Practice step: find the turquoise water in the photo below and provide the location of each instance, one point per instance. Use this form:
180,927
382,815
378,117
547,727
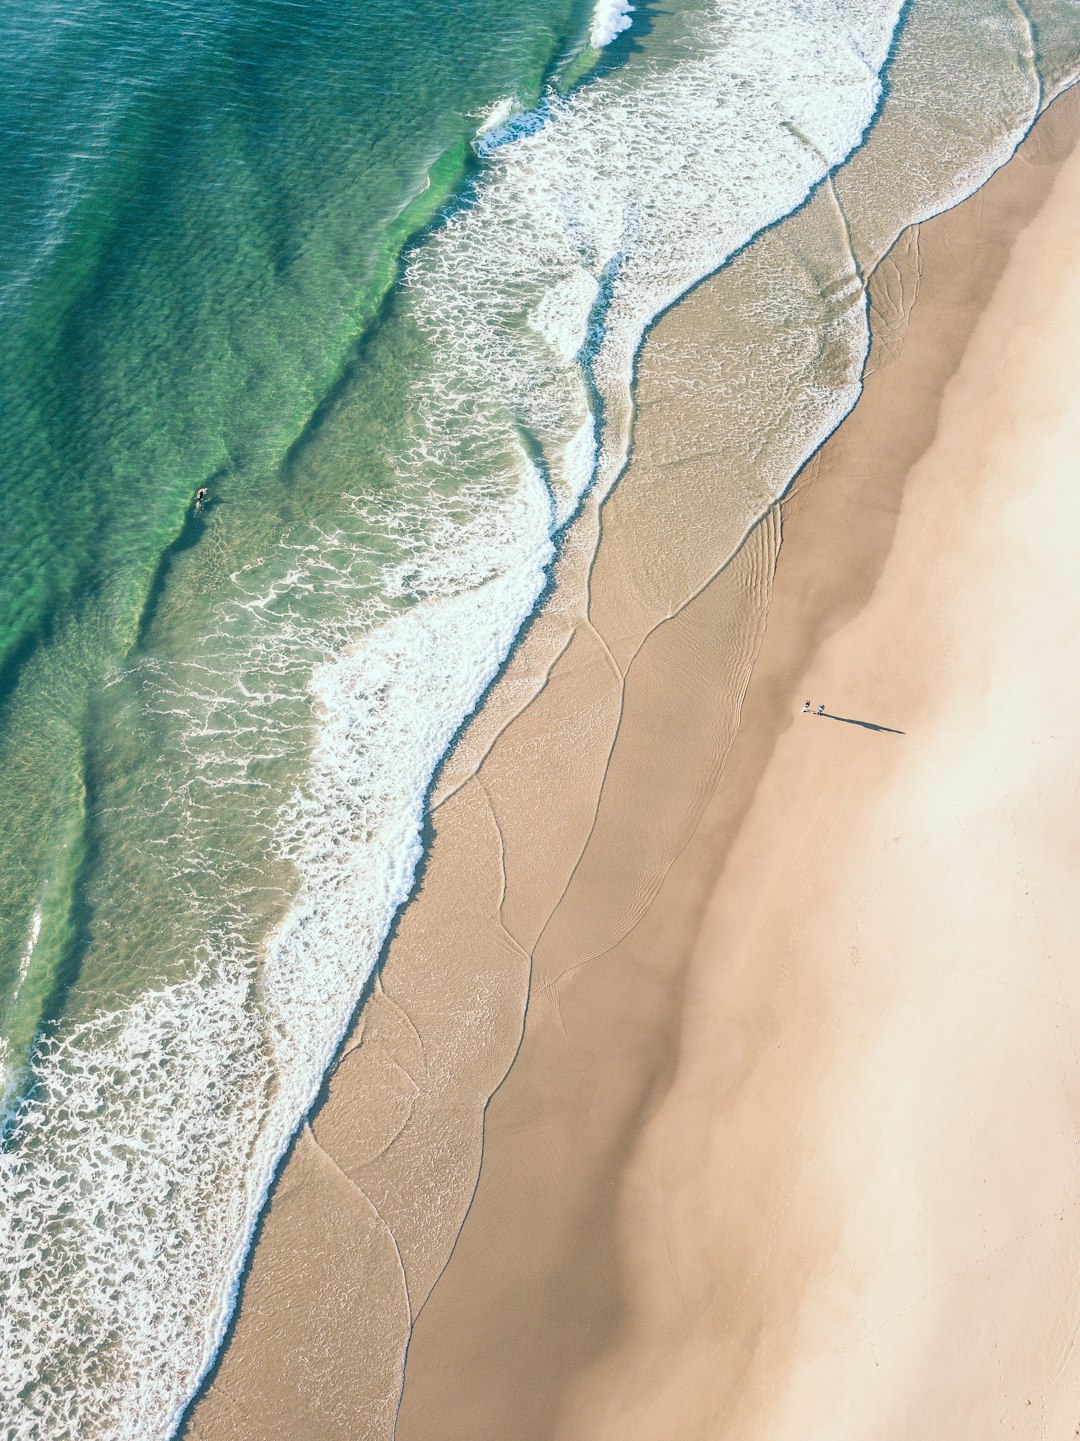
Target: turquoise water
202,209
217,729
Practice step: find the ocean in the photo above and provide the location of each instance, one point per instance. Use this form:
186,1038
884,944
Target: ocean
376,278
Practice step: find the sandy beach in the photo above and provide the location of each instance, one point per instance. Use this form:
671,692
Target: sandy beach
787,1143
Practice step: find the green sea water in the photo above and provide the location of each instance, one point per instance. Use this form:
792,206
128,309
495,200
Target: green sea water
202,207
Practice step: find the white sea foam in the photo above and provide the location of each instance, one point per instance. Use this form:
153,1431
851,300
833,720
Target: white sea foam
503,123
610,18
28,952
402,691
496,115
139,1164
107,1164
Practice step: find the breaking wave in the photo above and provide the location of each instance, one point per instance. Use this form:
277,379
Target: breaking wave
610,18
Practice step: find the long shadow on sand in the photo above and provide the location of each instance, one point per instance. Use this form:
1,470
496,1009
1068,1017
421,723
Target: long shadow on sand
866,725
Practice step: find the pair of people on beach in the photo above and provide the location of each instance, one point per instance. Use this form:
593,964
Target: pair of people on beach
806,708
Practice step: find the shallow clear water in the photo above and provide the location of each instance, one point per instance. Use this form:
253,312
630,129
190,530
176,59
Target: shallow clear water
217,730
202,207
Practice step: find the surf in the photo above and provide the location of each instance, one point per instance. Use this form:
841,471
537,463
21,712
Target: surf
610,18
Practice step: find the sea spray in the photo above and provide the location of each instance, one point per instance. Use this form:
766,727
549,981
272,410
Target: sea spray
610,18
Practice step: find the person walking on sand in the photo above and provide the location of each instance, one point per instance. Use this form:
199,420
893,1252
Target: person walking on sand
806,707
821,709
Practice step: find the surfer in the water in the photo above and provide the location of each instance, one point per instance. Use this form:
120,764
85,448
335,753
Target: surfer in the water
201,496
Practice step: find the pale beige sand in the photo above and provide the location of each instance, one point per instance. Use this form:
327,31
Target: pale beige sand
793,1121
798,1157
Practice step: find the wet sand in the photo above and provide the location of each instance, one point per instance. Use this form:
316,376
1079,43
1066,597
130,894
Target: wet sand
788,1143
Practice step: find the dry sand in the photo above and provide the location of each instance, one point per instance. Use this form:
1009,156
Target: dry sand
798,1155
789,1146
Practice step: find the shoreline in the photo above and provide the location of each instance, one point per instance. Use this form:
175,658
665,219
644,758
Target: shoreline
483,1358
414,1037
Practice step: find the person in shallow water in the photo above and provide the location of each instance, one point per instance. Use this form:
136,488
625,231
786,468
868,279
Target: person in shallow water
201,496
